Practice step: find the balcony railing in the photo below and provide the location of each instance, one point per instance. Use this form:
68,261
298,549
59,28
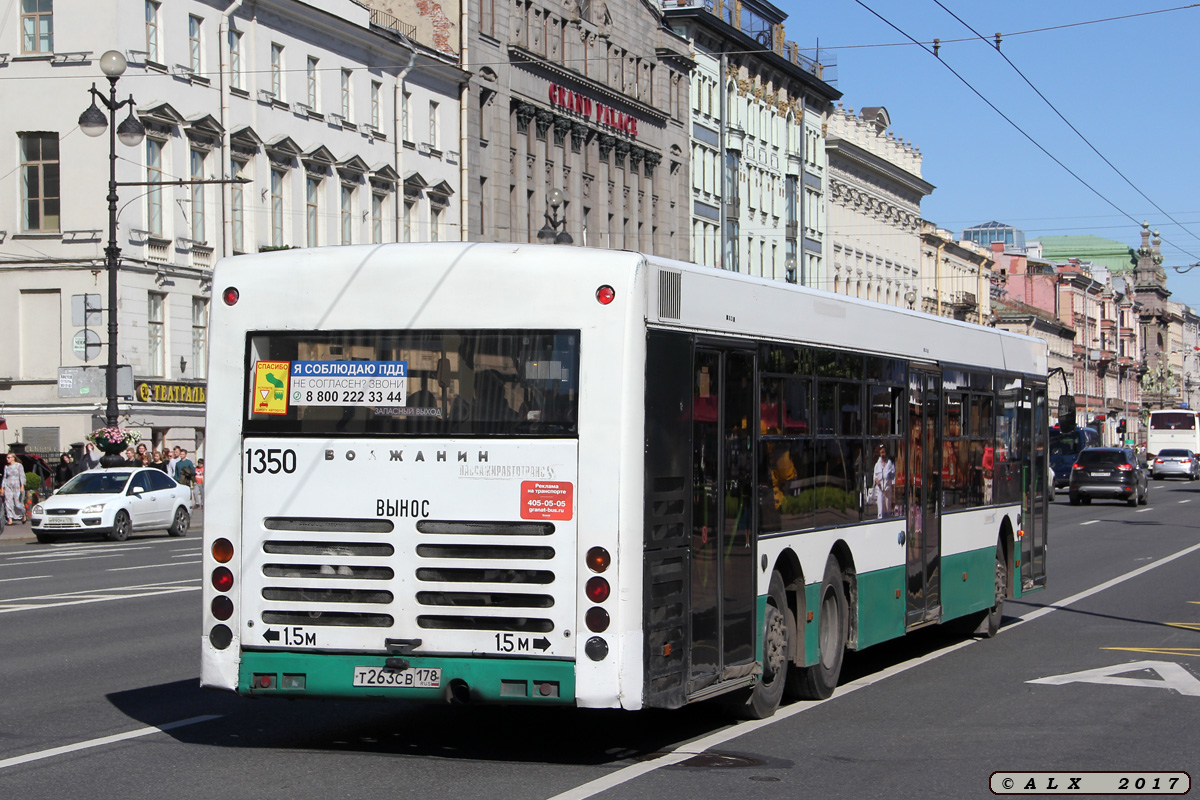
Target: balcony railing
386,20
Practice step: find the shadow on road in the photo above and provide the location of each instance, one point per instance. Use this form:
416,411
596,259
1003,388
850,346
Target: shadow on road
391,728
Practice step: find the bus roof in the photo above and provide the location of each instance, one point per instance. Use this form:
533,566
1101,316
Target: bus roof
416,285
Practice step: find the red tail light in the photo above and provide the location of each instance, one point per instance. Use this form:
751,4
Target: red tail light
1159,461
597,589
1077,465
1125,467
222,579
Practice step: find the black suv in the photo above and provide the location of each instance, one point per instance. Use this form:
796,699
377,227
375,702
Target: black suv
1113,472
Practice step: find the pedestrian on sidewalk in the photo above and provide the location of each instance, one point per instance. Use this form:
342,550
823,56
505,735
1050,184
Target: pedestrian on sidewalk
64,471
14,490
198,488
91,459
185,470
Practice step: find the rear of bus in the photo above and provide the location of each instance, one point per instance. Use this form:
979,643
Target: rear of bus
398,463
1173,428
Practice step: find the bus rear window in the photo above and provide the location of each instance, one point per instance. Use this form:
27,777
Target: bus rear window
1173,421
428,383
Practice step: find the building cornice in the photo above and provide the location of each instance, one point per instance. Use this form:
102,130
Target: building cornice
518,53
748,46
881,166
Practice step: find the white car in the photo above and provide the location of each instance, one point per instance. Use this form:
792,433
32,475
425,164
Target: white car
114,502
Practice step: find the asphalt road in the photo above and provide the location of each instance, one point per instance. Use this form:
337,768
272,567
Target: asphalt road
1101,671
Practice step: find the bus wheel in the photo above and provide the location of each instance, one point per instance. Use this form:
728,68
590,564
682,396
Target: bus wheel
987,624
763,700
818,681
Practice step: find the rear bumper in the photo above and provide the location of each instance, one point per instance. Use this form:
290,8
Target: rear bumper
1165,471
1103,490
483,680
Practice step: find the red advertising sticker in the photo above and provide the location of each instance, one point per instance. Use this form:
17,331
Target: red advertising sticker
547,500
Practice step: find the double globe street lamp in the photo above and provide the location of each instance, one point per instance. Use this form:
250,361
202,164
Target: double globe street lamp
93,122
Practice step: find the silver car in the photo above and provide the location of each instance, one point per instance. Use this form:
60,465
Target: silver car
1174,462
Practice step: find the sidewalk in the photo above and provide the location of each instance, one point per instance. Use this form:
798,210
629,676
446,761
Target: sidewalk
22,534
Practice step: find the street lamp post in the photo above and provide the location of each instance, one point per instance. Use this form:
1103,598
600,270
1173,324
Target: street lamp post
549,234
131,132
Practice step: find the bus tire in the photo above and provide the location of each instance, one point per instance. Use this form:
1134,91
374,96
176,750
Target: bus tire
763,699
833,618
989,624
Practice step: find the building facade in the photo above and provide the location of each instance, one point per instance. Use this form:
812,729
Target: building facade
303,102
875,192
956,276
758,172
1104,365
588,98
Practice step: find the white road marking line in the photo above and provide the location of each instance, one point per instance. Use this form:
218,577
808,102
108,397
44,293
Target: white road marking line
5,609
27,578
97,595
58,560
1075,598
188,555
1090,522
118,737
698,746
149,566
1181,502
76,549
1144,510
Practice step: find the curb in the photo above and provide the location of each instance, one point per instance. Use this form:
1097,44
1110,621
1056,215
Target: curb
16,534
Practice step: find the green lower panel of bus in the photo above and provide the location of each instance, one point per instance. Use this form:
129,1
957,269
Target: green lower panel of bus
880,606
968,582
427,679
967,585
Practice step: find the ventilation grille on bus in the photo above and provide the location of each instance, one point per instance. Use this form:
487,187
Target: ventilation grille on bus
342,568
504,575
470,575
670,294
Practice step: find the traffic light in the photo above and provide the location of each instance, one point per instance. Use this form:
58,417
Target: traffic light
1121,427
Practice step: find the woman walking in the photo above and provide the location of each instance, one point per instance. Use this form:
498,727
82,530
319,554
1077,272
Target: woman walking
14,490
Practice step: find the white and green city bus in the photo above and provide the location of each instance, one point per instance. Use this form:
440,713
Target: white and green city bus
497,473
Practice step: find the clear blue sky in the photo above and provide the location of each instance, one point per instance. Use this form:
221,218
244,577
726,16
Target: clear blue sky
1130,86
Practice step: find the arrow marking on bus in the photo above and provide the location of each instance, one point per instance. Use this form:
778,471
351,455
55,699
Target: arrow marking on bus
271,635
542,644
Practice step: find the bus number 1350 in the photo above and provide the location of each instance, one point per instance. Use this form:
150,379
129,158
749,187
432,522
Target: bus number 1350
271,460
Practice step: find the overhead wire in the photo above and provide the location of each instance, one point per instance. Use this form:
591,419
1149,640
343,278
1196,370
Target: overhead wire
1011,122
1069,124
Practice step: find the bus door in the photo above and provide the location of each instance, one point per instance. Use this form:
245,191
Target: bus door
1033,430
722,543
923,476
